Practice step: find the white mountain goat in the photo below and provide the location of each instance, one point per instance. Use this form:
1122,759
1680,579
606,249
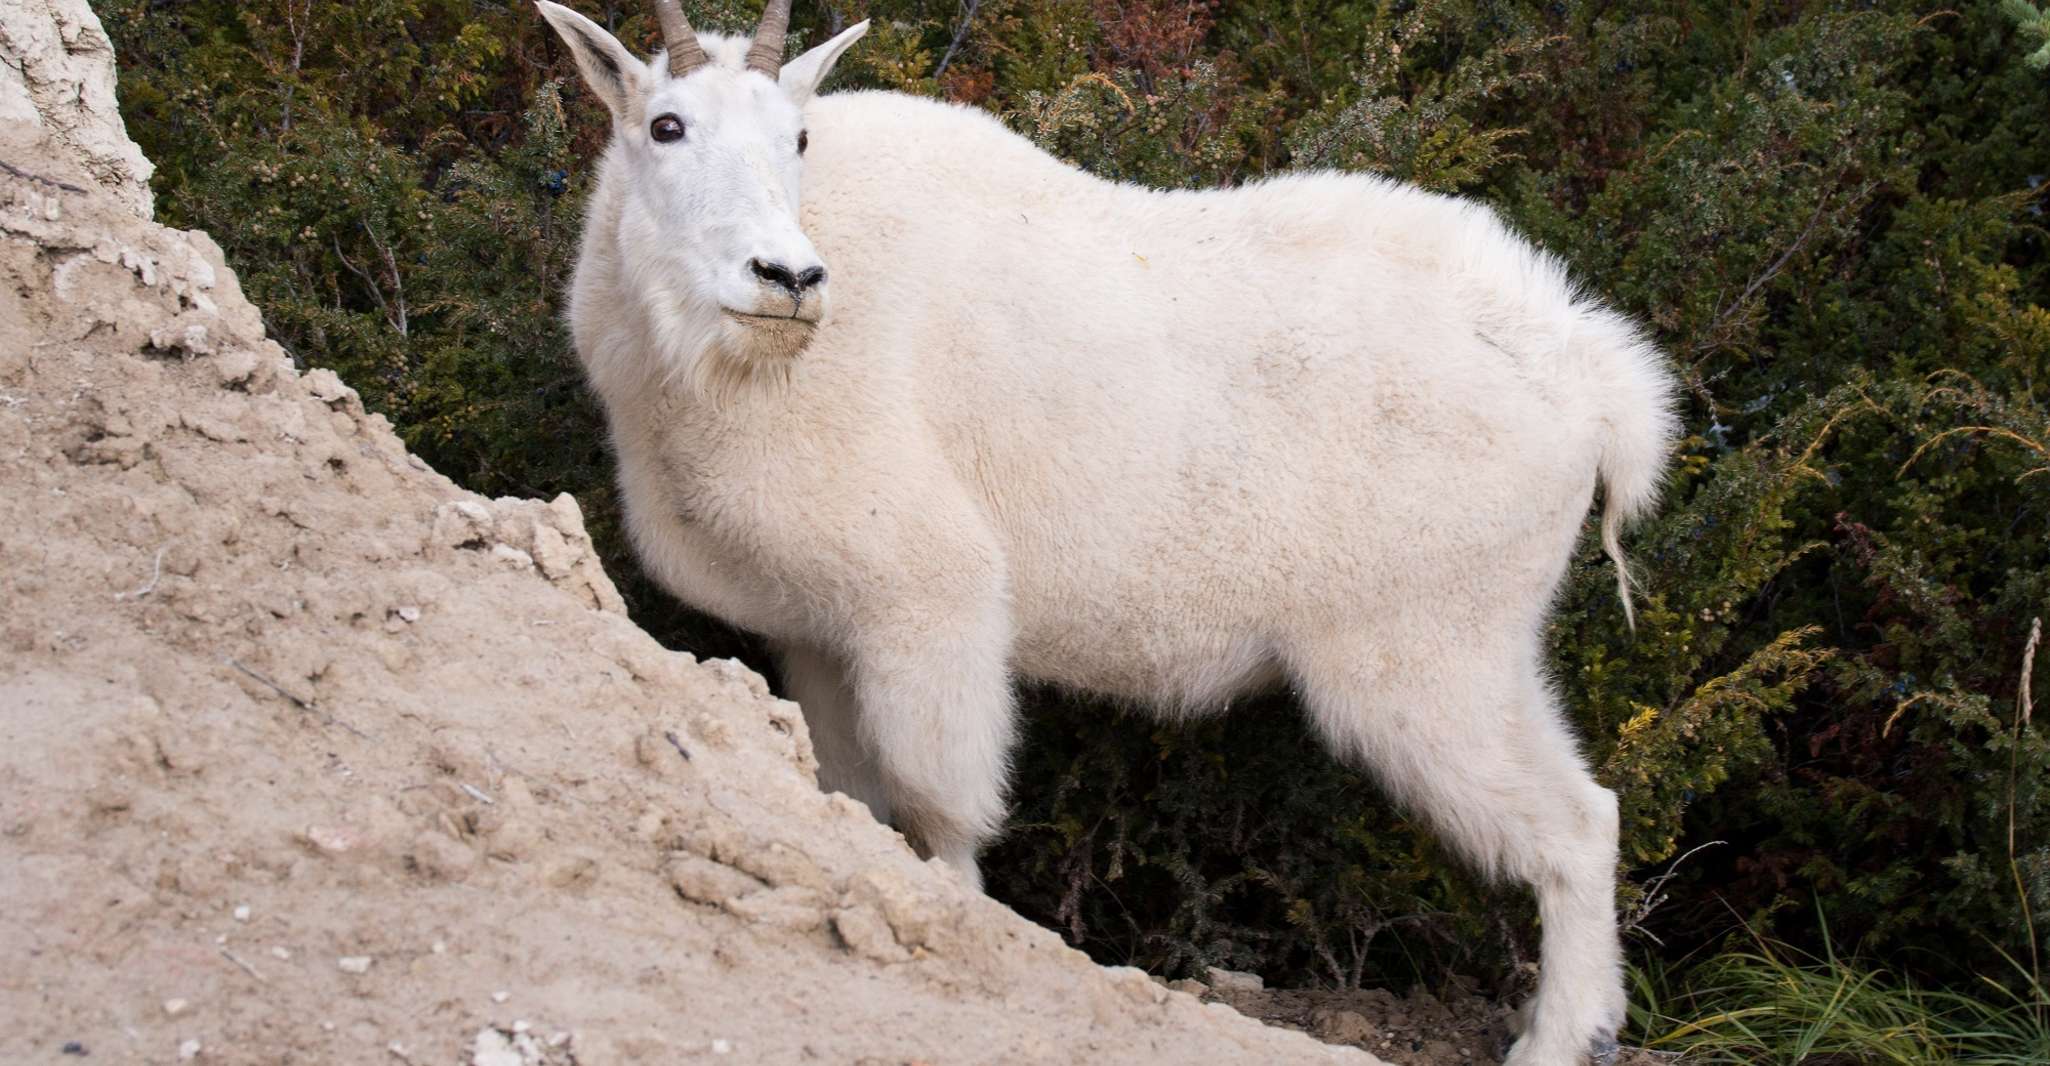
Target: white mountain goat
1326,431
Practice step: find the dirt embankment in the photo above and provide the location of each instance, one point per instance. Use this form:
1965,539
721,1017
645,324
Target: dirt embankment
308,755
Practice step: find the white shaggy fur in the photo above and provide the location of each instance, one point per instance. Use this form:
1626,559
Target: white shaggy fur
1326,430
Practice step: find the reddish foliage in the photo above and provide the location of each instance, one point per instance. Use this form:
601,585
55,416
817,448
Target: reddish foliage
968,85
1157,36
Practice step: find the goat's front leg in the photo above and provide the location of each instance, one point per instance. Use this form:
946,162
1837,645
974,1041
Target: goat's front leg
818,682
935,708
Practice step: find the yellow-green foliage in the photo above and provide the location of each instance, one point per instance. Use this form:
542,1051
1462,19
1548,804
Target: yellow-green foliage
1830,213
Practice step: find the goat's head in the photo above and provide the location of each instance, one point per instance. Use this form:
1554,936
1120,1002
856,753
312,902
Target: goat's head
708,150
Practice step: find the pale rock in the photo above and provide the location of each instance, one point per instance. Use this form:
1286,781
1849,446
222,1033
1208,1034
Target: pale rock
1234,980
462,524
326,386
552,552
511,556
863,930
235,366
702,880
493,1048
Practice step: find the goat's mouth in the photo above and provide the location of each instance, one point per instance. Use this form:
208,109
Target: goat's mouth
773,323
770,338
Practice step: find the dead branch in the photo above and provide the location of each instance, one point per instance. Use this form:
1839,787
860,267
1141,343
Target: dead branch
960,35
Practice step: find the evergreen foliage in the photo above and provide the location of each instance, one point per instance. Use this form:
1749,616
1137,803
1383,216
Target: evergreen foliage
1830,213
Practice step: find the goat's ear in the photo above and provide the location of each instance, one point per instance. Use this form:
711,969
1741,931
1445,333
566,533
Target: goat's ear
801,76
608,68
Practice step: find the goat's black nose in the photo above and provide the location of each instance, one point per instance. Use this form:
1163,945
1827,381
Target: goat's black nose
781,276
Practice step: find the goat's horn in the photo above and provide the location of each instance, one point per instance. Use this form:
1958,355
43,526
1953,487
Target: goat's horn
684,53
766,54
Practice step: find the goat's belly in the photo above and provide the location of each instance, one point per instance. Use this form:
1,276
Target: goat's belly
1188,669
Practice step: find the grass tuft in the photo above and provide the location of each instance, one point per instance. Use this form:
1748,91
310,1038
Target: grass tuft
1775,1006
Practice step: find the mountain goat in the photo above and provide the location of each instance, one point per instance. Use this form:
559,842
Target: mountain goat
1326,431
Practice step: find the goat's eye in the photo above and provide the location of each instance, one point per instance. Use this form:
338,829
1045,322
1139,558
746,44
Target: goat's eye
666,128
803,140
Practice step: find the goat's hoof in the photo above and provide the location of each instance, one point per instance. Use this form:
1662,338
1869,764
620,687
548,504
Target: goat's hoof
1603,1051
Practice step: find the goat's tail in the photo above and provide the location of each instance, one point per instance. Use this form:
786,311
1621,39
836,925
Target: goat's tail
1634,392
1627,384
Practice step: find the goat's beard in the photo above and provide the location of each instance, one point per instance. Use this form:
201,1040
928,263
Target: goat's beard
770,340
750,352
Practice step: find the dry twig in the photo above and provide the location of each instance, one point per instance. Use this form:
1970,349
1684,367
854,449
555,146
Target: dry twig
156,572
1654,895
296,701
2024,706
237,960
15,171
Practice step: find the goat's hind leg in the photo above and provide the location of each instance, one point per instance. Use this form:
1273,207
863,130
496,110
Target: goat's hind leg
1476,747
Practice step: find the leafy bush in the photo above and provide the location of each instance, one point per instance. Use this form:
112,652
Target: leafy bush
1830,213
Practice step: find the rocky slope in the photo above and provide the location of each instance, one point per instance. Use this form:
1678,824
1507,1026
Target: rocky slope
308,755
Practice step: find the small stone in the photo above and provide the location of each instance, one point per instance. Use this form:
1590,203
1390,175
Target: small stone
552,552
520,1025
500,997
175,1007
440,947
189,1049
184,334
354,963
462,524
493,1048
701,880
409,613
235,366
511,556
865,933
1235,980
1342,1026
326,385
334,839
280,953
242,913
722,1047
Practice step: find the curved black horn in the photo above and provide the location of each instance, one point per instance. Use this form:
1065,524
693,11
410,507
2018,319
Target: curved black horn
682,42
766,53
